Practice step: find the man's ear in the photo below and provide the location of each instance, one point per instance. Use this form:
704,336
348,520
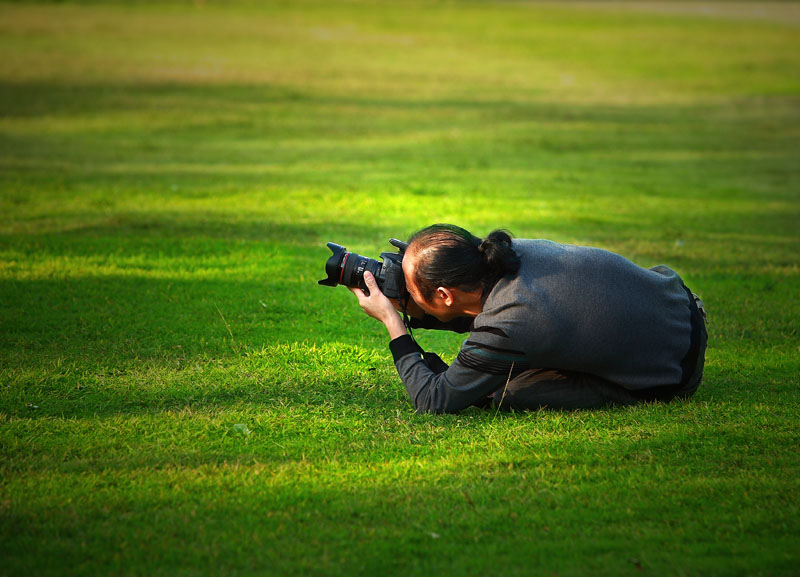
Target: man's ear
445,295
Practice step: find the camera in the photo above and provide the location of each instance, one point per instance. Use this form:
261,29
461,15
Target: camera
347,268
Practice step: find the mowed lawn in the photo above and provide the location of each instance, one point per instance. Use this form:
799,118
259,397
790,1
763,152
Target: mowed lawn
178,396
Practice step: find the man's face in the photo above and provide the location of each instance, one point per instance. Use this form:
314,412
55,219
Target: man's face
436,306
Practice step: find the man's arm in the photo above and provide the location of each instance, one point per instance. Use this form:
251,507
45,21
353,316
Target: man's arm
479,370
485,363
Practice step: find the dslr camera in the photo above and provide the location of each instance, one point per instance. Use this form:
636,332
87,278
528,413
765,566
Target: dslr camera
347,268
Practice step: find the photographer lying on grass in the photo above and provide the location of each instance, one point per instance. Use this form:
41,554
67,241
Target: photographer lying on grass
551,325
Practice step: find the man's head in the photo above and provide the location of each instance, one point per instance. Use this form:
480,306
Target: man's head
444,262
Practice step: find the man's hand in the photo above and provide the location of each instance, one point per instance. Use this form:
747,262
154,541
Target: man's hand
375,304
379,307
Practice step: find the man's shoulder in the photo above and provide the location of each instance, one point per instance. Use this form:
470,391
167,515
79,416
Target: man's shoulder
500,319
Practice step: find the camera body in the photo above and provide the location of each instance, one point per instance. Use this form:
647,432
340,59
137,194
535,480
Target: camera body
348,268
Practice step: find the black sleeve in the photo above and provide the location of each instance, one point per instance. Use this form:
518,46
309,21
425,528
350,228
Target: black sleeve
485,363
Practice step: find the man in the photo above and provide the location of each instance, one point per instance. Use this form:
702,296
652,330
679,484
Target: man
550,325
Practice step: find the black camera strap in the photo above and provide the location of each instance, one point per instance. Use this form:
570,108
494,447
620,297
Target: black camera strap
403,298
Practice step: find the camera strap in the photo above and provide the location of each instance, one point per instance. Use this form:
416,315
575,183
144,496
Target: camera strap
406,319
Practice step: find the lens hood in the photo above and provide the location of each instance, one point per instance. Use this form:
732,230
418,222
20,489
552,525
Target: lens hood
333,266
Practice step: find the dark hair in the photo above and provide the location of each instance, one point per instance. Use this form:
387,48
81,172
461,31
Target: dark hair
449,256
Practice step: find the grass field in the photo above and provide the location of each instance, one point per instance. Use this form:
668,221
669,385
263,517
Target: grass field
179,397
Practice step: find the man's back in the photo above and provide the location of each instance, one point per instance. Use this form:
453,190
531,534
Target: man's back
590,310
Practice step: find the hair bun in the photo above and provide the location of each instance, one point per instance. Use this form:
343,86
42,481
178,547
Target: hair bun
497,254
498,240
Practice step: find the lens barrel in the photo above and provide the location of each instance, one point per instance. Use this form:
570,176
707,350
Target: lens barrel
347,268
354,267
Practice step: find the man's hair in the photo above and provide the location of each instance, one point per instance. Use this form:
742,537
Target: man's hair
450,256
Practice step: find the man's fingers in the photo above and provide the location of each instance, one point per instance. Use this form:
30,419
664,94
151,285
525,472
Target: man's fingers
372,286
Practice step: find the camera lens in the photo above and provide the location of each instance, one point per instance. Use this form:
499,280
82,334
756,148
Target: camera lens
354,267
348,268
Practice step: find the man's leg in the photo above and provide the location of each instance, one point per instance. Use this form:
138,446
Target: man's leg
552,389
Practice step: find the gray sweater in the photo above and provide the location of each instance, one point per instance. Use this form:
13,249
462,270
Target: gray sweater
568,307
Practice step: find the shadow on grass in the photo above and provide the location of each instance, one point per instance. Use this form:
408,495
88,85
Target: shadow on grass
94,125
32,99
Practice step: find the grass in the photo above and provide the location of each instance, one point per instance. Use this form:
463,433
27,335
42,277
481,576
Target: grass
178,396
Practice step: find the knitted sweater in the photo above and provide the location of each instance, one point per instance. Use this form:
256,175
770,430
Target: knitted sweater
568,307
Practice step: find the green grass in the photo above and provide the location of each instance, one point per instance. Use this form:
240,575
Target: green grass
179,397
